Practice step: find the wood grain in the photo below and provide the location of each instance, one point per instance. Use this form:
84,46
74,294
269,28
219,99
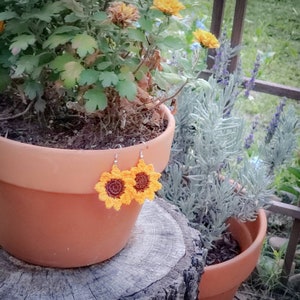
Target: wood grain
162,260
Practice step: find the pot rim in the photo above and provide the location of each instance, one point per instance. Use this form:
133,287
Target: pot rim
163,107
261,218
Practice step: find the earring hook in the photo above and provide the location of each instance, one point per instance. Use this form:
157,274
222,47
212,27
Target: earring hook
141,154
116,159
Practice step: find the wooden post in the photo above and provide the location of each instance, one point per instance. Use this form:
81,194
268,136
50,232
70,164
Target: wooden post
238,27
290,251
215,27
294,212
162,260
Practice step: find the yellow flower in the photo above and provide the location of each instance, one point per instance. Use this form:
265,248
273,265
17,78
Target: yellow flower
146,181
169,7
115,188
122,15
206,39
2,26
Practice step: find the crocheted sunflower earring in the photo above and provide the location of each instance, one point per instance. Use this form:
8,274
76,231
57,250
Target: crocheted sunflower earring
146,181
118,187
115,187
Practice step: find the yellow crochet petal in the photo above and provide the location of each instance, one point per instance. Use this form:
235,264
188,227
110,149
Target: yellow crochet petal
146,183
115,188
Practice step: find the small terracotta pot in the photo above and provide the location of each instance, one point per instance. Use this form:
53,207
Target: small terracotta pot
50,214
221,281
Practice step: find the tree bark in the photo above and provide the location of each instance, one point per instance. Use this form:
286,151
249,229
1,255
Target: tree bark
162,260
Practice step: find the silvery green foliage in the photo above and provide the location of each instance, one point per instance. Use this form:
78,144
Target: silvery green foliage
223,57
283,142
209,178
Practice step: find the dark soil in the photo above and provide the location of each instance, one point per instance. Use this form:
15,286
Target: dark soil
59,127
223,250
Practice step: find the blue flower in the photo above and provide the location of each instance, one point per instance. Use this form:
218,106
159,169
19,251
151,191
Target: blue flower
195,46
200,24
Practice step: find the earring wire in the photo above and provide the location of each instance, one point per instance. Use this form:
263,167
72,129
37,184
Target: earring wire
116,159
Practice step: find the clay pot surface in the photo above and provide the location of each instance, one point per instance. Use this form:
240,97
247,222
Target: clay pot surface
221,281
50,214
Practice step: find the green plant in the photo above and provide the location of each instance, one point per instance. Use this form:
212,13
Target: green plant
291,183
210,176
283,183
204,177
100,59
269,267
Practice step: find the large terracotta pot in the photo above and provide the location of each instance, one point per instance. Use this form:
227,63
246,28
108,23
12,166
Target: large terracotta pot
50,214
221,281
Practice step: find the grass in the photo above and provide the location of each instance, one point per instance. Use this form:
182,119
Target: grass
271,29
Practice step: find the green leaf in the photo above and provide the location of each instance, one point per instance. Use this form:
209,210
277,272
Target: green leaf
88,77
59,62
146,24
289,189
47,12
26,63
53,8
173,78
96,99
104,65
40,105
5,58
45,58
75,6
22,41
84,43
99,16
4,79
71,73
66,28
161,82
172,42
136,35
33,89
55,40
127,89
139,75
36,73
71,18
295,172
15,27
7,15
108,78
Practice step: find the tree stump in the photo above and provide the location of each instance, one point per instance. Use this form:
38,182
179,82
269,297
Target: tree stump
162,260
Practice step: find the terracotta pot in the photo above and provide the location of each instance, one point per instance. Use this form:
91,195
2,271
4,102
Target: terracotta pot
50,214
221,281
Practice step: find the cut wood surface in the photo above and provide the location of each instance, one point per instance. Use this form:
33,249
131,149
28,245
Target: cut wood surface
162,260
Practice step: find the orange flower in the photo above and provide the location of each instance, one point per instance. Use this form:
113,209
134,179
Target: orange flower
122,15
2,26
206,39
146,181
169,7
115,188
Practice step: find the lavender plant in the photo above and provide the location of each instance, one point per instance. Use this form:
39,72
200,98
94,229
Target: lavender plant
249,140
281,139
210,176
250,84
203,177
